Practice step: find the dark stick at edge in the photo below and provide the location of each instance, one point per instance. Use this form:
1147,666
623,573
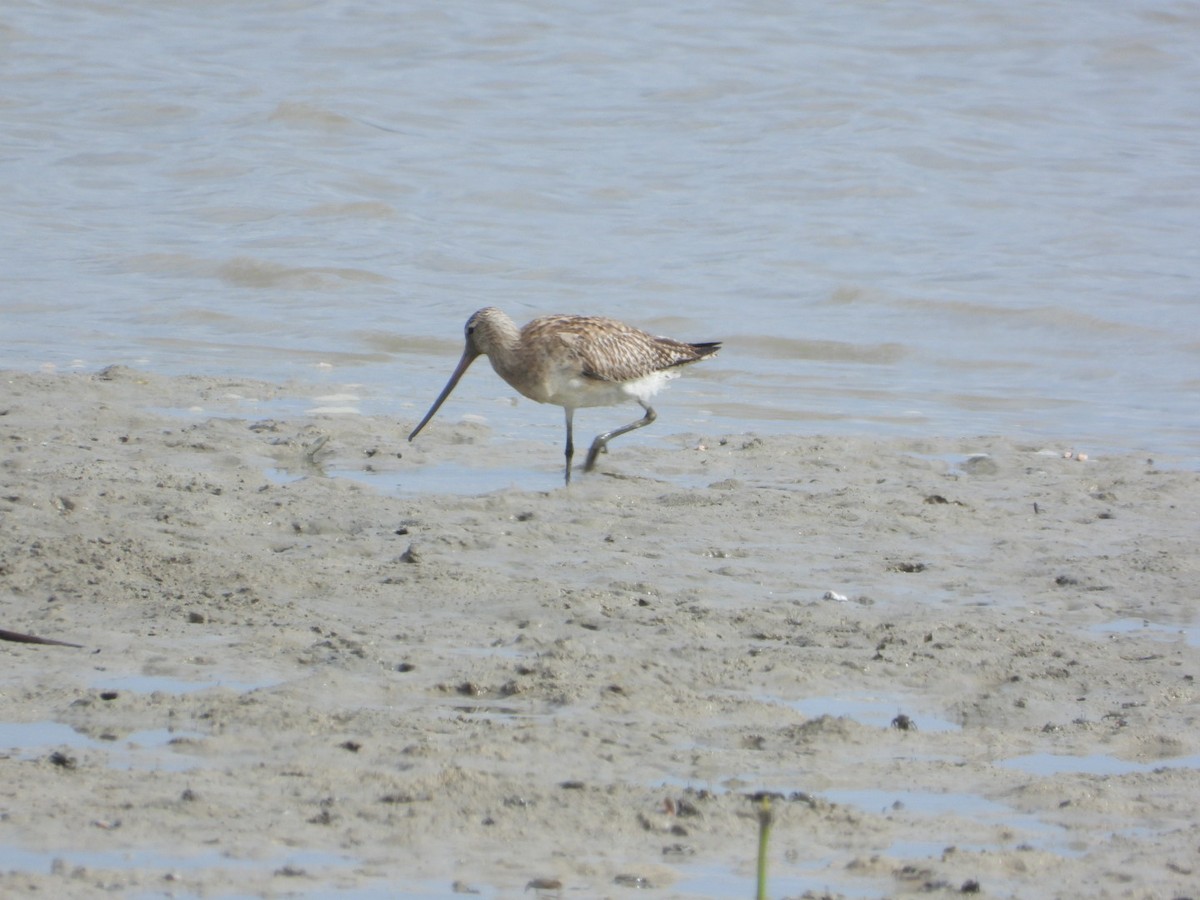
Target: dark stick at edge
19,638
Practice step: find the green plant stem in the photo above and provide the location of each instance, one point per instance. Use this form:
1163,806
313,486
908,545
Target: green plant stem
764,836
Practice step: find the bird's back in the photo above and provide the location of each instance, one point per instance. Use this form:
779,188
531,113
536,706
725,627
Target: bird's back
607,349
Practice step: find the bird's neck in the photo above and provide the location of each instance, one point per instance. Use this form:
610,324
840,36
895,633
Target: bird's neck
502,344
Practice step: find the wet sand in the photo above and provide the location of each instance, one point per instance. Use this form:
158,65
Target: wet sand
962,664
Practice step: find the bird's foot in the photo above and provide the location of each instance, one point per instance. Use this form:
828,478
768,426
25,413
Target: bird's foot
596,450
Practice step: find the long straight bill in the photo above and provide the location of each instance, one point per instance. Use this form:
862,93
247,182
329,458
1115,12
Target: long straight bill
468,357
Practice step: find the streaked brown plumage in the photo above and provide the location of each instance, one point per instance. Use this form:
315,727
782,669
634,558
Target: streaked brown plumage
574,362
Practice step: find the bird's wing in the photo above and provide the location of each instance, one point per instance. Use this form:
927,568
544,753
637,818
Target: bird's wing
607,350
627,354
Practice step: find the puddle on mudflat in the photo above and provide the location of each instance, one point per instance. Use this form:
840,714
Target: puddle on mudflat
18,737
44,861
394,479
879,801
1047,764
1190,633
153,749
483,475
443,478
506,709
817,878
878,712
150,684
426,889
500,649
1026,828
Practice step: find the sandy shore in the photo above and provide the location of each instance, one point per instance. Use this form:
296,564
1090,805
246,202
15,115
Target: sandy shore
293,683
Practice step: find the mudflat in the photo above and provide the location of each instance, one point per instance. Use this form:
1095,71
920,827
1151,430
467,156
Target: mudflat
957,665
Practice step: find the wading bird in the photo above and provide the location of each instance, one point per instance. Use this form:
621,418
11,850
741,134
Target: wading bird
574,362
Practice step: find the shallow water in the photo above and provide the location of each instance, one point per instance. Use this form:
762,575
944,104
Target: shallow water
978,810
45,861
147,684
1144,627
878,712
1048,764
140,750
907,218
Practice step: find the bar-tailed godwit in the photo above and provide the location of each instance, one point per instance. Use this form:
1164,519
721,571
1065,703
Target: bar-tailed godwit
573,362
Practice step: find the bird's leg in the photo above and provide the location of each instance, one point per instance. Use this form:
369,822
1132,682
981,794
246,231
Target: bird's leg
570,443
601,441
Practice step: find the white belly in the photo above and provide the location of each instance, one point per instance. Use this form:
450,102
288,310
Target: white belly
579,392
